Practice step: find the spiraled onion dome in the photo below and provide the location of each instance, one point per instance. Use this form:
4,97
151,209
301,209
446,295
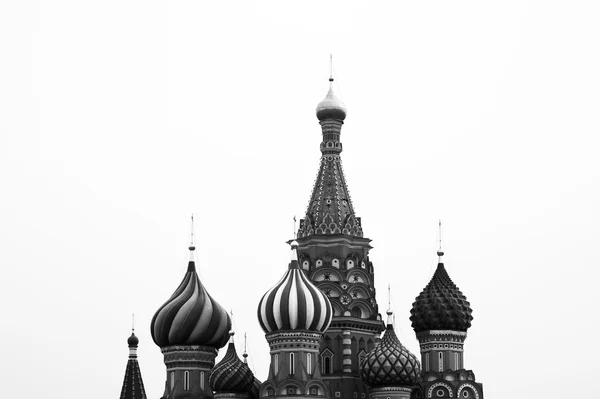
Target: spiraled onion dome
231,374
331,107
294,303
191,316
390,363
133,341
441,305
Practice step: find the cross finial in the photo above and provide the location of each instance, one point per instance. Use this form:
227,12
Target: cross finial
440,253
330,67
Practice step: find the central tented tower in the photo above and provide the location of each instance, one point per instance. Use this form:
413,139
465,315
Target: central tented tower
335,255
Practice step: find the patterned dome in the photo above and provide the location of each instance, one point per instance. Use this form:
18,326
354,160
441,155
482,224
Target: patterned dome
295,303
231,374
390,363
191,316
331,107
441,305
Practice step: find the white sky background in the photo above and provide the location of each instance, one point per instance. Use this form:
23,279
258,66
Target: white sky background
118,119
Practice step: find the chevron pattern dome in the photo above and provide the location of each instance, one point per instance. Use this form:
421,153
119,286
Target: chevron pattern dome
294,303
191,316
390,363
441,305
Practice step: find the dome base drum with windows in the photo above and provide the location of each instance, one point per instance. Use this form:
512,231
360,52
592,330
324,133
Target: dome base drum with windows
321,320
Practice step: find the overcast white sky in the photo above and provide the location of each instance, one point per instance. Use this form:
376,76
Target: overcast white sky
118,119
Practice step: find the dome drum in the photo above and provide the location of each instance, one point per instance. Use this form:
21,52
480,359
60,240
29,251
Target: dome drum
390,393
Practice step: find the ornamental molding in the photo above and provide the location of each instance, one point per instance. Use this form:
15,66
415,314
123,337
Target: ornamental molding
390,389
439,384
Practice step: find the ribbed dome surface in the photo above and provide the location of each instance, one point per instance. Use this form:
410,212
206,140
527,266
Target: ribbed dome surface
390,363
295,303
441,305
331,107
231,374
191,316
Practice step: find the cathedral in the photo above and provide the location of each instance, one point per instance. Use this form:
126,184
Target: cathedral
326,336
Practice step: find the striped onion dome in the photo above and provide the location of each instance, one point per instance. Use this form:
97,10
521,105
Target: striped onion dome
390,363
231,374
191,316
294,303
441,305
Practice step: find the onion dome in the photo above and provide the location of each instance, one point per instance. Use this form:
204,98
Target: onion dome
295,303
231,374
331,107
441,305
390,363
133,341
191,316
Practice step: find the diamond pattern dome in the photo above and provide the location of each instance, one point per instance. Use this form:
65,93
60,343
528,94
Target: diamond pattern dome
390,363
441,305
231,374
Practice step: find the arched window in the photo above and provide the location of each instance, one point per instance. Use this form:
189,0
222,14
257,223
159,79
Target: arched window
276,363
456,360
427,362
309,363
319,263
202,380
441,362
305,265
292,363
327,365
349,264
335,263
186,380
172,380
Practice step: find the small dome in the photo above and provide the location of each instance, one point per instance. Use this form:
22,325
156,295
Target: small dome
191,316
133,341
295,303
331,107
441,305
231,374
390,363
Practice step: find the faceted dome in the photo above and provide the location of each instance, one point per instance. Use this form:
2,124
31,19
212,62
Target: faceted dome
133,341
191,316
390,363
441,305
231,374
295,303
331,107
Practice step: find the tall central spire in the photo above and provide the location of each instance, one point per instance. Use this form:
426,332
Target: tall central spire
330,209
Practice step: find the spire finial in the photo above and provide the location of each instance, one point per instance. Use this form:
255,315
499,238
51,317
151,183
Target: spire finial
192,245
390,319
245,354
294,227
440,253
132,323
330,67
